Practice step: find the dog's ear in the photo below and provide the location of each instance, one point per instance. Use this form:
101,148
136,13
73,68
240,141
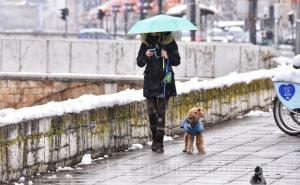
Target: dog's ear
189,115
200,111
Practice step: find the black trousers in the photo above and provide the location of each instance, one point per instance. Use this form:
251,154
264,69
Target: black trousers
156,113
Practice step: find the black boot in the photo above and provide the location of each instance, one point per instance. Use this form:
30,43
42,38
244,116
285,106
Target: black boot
154,142
154,146
160,140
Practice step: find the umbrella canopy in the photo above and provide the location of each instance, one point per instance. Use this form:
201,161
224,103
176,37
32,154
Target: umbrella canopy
161,23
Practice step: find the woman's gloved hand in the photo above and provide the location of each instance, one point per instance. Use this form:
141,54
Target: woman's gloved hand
149,53
164,54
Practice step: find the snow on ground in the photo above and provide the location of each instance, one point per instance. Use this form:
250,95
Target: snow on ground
99,158
68,176
168,138
52,177
18,183
22,179
257,113
136,147
87,102
86,159
149,143
64,168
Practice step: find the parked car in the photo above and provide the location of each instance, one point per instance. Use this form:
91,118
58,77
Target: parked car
185,36
93,33
237,34
218,35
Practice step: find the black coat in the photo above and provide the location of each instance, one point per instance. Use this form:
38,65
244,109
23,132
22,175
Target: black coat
154,72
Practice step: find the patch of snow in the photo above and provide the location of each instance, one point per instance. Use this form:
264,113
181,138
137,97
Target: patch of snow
52,177
149,143
68,176
86,159
282,60
18,183
287,73
84,102
240,117
64,169
22,179
168,138
99,158
257,113
4,112
136,147
106,156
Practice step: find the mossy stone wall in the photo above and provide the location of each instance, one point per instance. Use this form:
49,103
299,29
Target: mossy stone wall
44,144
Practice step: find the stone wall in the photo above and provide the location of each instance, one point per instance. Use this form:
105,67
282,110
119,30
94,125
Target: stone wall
44,144
205,60
21,90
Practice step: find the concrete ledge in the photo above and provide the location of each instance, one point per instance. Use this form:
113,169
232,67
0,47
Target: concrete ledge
76,77
47,143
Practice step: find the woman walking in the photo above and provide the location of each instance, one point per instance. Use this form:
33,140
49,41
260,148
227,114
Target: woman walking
158,52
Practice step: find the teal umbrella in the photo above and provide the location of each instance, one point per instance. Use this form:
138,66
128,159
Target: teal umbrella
161,23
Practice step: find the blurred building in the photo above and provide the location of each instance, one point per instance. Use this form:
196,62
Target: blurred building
90,4
227,9
40,15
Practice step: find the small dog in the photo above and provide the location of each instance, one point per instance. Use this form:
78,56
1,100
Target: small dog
194,127
258,178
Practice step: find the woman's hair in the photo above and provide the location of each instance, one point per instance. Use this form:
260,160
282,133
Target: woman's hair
164,39
166,33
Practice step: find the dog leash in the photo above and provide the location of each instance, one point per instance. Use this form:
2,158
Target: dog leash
167,78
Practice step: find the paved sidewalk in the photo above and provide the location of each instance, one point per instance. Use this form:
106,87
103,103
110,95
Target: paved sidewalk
233,151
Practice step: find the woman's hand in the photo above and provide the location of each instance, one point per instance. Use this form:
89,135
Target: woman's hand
164,54
149,53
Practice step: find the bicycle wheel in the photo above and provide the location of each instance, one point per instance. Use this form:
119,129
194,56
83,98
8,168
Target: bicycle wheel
296,116
286,120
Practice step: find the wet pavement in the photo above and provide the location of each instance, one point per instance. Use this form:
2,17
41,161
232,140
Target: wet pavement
233,149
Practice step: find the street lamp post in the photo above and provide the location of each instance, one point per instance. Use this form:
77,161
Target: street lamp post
142,9
115,10
160,7
108,14
145,7
276,25
252,20
128,8
192,16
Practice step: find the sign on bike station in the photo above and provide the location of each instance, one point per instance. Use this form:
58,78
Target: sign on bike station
286,109
288,93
